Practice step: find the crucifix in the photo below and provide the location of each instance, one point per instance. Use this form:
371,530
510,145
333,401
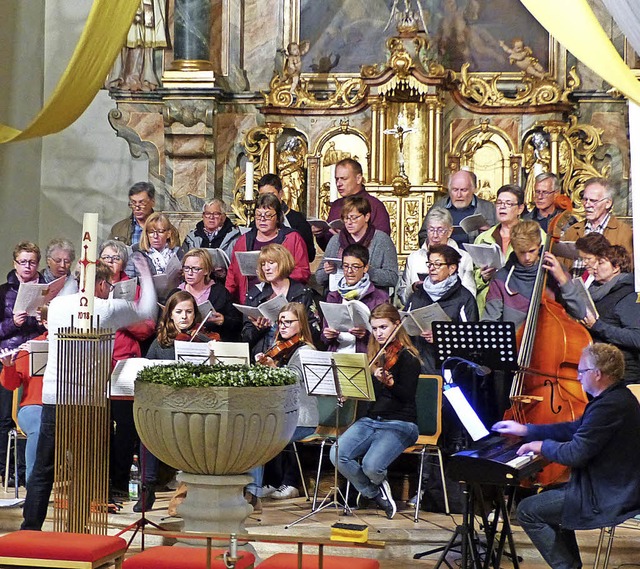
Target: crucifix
400,182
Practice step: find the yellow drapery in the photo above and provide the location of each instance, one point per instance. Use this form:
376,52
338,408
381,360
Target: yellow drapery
574,25
103,35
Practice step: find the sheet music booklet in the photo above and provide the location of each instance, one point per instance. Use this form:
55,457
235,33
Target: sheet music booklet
212,352
337,374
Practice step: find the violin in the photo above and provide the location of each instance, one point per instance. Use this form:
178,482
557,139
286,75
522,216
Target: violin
197,336
282,349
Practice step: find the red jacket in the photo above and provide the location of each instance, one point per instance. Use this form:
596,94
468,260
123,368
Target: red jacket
14,376
236,284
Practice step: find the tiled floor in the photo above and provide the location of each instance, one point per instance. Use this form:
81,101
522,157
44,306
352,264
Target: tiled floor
402,536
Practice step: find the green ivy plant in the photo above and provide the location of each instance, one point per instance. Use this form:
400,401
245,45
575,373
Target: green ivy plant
187,374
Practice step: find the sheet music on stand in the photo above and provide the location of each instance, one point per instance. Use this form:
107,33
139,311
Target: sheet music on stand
336,374
228,353
492,344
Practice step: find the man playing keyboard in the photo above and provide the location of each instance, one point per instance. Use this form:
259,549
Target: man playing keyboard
603,450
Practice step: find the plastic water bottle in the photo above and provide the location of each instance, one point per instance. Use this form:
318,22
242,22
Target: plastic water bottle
134,479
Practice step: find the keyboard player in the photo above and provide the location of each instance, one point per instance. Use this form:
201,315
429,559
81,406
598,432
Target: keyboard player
603,450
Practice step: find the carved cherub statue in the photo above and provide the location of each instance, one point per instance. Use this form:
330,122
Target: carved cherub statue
293,62
521,56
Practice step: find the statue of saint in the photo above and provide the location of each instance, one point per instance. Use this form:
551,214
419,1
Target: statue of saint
291,172
134,69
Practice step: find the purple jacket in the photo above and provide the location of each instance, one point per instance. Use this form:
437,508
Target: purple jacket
372,298
10,335
379,216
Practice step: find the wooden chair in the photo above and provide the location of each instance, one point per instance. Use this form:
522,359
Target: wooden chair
326,432
429,406
27,548
15,434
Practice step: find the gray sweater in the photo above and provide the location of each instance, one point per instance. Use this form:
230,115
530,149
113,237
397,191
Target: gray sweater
383,260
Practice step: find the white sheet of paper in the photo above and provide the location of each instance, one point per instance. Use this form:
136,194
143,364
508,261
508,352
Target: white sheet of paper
485,255
473,223
126,290
32,296
317,372
420,319
205,307
38,356
227,353
248,262
269,309
166,282
194,352
468,417
124,374
218,257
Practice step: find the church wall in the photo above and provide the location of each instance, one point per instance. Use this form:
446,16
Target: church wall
21,73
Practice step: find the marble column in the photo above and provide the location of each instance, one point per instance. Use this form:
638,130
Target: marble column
192,27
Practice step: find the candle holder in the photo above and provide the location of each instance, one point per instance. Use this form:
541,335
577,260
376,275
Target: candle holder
248,210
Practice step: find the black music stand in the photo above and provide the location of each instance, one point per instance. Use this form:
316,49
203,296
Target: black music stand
489,344
343,376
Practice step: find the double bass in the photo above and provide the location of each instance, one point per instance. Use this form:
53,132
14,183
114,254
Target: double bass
546,388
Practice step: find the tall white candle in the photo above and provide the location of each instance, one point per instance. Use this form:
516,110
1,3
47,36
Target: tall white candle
248,188
333,188
88,250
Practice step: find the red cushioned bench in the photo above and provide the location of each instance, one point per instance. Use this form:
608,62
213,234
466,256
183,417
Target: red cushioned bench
26,548
176,557
290,561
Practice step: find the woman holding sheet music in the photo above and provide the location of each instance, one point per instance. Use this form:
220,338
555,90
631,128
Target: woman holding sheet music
179,317
281,477
15,329
617,317
197,270
443,285
275,266
374,441
160,243
269,229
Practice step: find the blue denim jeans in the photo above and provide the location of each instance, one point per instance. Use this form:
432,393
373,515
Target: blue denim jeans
29,418
41,479
378,444
540,518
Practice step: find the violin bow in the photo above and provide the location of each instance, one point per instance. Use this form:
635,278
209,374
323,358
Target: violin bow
204,320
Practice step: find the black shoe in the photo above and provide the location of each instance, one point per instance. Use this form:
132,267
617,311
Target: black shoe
362,502
384,499
148,497
11,483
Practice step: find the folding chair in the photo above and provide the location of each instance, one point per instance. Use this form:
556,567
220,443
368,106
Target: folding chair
429,406
326,432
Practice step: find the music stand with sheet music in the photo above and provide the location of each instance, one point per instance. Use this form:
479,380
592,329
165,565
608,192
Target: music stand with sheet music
343,376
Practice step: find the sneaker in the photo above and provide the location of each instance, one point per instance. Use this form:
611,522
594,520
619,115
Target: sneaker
285,492
267,490
385,500
416,499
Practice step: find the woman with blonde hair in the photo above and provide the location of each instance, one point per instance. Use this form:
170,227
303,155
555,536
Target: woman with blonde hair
275,265
374,441
160,242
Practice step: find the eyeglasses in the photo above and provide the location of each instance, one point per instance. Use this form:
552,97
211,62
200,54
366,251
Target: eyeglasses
139,205
111,285
585,370
157,232
542,193
214,215
592,201
286,323
437,265
352,218
437,230
265,216
351,268
60,261
500,203
111,258
27,263
195,270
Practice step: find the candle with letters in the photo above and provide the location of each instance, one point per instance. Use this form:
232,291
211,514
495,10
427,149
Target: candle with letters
87,263
333,188
248,189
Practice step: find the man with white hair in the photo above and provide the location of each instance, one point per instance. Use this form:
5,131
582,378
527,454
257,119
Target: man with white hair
462,202
214,231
